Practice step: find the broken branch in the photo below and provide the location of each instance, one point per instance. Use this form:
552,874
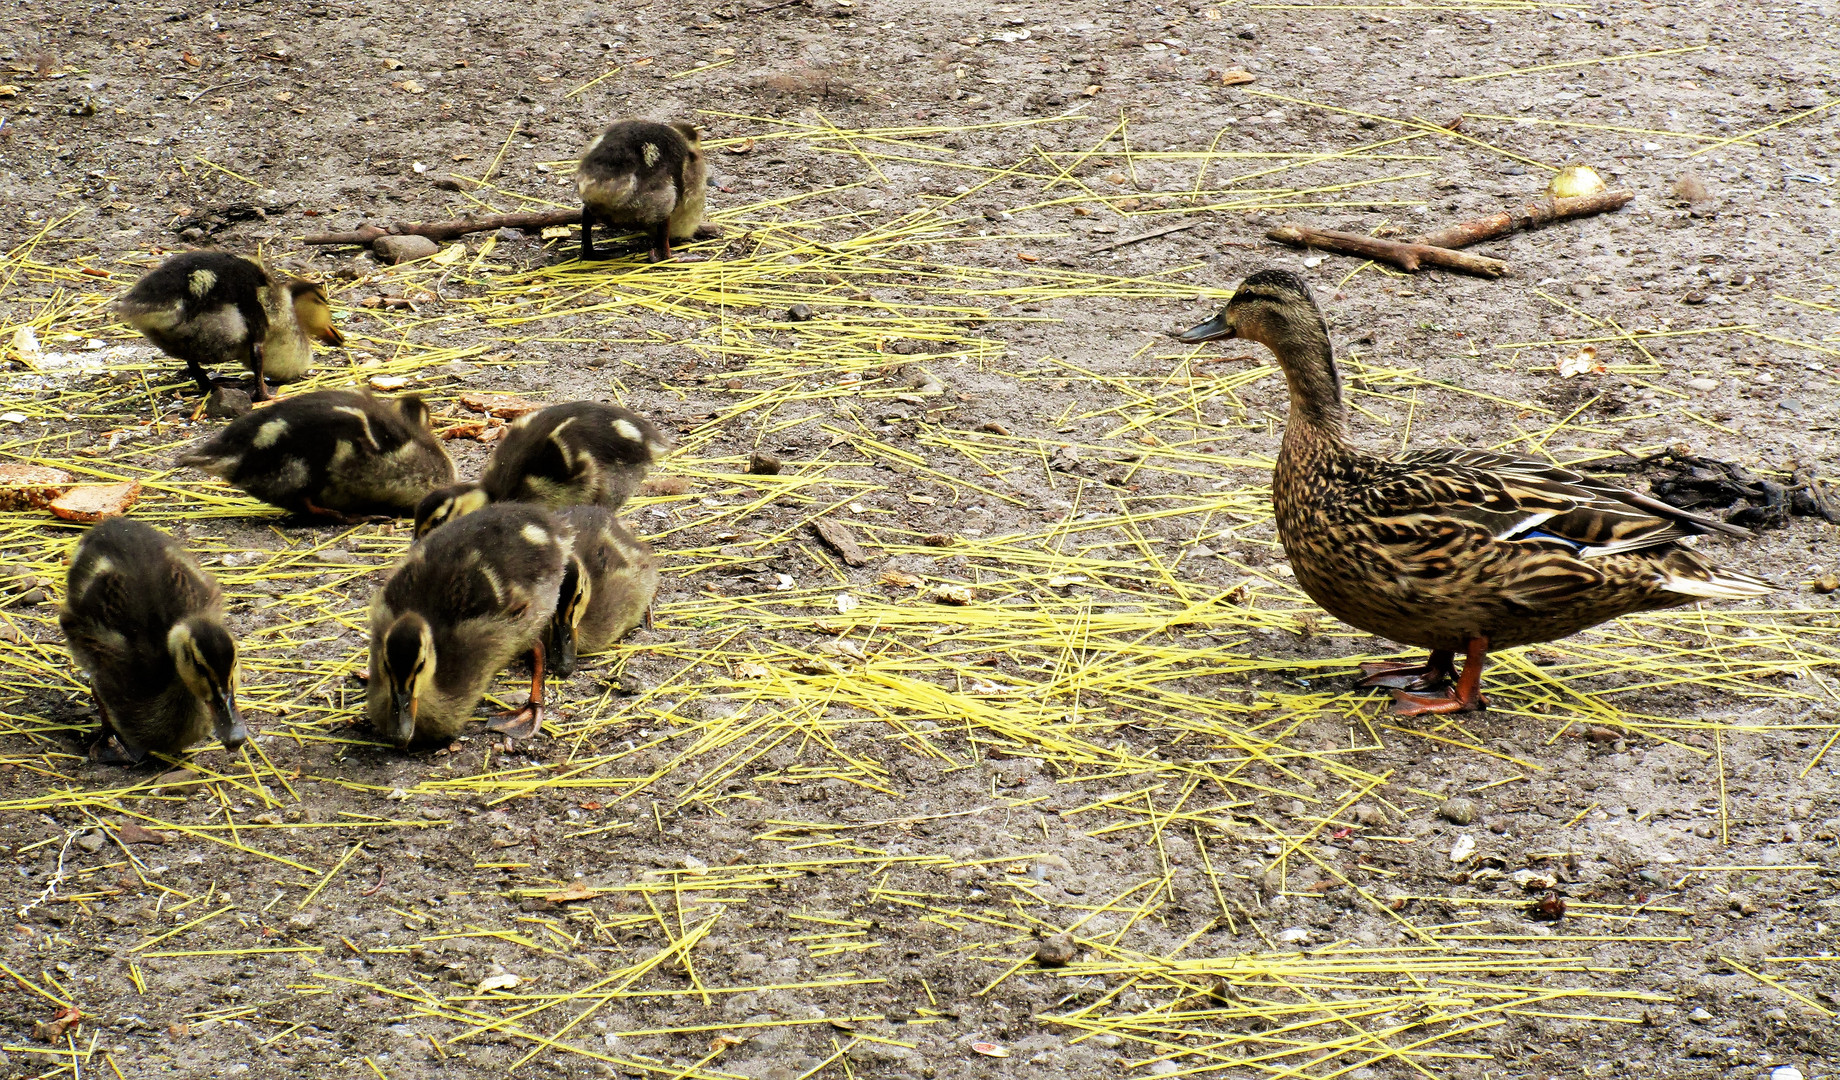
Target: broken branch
1408,257
1526,216
450,230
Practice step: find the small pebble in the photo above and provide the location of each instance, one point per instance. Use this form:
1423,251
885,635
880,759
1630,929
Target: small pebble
91,841
1785,1072
1699,1015
227,403
1369,815
798,313
1458,811
762,463
301,920
1056,951
401,249
1702,384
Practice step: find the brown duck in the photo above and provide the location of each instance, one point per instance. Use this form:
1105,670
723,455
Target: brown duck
1455,551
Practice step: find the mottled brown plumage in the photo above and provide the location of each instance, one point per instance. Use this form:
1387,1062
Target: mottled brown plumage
147,624
1452,550
342,454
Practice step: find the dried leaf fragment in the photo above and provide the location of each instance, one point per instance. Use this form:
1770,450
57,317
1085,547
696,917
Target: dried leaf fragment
1584,362
577,890
503,406
903,579
960,595
133,833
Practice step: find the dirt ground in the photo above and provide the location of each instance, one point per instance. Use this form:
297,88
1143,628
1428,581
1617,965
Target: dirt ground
819,821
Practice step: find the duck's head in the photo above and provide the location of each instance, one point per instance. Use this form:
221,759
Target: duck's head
407,667
443,505
313,311
1274,308
205,656
572,604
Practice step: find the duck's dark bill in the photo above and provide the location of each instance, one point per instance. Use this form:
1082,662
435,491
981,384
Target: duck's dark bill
1214,328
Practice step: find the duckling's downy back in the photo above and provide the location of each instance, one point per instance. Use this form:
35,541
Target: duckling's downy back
576,453
129,587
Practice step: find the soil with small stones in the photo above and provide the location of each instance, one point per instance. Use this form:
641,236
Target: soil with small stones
245,124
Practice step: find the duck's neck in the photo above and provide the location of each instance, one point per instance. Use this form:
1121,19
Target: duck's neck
1308,360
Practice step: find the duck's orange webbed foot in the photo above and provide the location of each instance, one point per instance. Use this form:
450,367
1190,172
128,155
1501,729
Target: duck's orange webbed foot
1466,696
1407,703
1434,674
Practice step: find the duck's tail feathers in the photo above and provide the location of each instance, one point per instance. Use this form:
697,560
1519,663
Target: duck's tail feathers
1706,583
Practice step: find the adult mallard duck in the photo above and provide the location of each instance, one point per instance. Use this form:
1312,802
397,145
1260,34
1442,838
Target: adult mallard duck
606,591
343,454
466,601
211,307
575,454
147,624
1455,551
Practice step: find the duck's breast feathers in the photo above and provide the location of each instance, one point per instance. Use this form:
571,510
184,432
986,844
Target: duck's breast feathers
1516,499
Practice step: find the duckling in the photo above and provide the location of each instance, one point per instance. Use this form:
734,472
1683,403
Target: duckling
1454,551
566,455
147,624
607,589
465,602
342,454
639,176
211,307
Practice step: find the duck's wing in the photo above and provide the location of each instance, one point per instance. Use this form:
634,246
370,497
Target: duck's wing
1521,499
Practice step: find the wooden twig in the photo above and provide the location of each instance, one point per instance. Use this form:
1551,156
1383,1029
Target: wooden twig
450,230
1408,257
1526,216
1127,241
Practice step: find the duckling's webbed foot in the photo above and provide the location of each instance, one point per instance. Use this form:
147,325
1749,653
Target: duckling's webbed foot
258,392
661,243
588,254
523,724
1435,673
109,747
310,507
526,722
